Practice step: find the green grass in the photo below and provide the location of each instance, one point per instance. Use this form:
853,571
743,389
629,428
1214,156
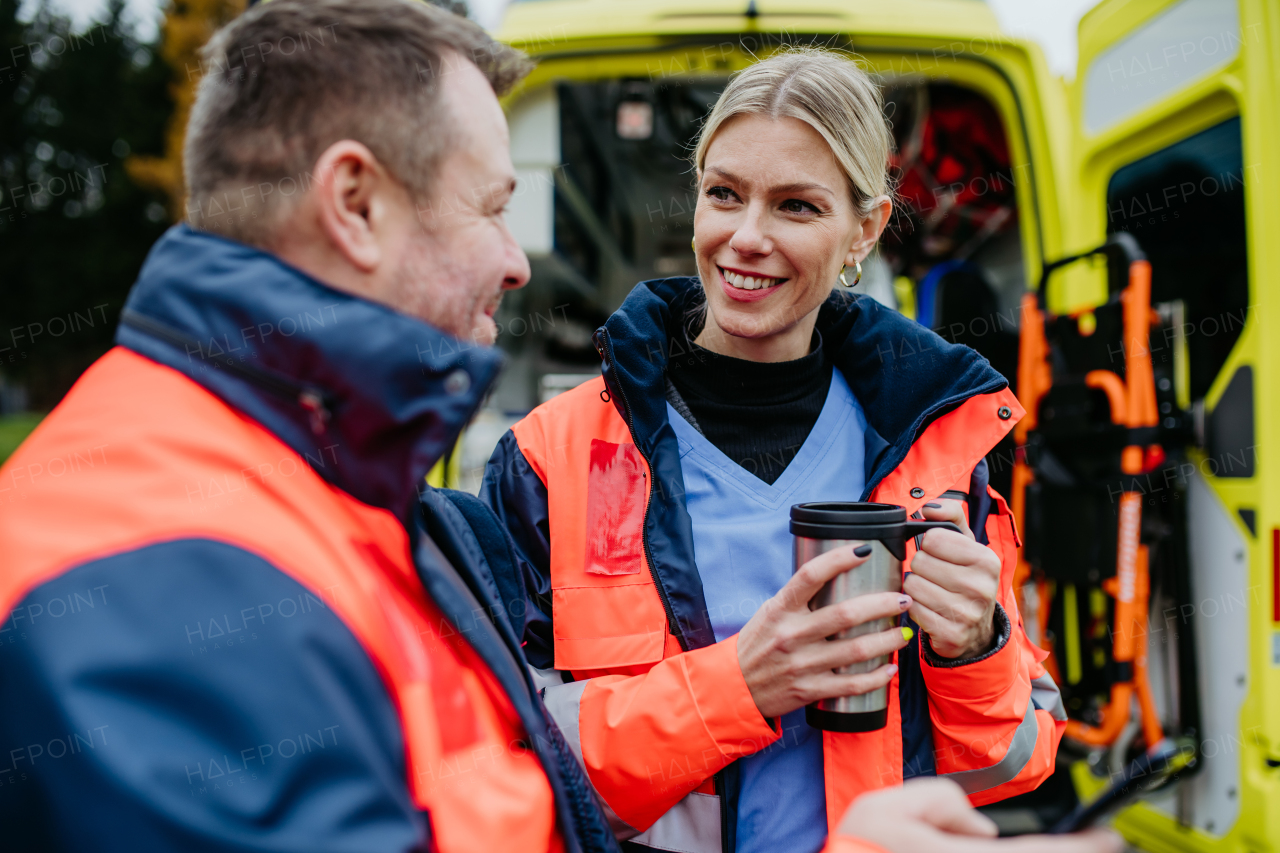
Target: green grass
15,428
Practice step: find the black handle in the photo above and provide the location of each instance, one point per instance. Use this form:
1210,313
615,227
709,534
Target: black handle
911,529
915,528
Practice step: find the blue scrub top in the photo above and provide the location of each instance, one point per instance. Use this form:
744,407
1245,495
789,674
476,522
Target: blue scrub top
743,548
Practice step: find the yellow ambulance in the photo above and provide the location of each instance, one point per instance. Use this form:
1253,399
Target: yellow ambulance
1168,134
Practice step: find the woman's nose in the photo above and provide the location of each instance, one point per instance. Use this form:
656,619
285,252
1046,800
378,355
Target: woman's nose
750,237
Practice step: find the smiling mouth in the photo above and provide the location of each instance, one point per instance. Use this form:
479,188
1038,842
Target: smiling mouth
747,282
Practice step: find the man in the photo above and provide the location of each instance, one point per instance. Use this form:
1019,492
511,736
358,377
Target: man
227,629
233,621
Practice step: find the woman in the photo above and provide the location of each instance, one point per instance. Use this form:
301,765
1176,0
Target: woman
649,508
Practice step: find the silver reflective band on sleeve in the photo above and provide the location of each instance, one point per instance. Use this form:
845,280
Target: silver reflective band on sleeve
1047,697
1020,750
564,703
544,678
690,826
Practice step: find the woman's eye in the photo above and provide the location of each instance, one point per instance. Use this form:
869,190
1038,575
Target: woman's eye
795,205
720,193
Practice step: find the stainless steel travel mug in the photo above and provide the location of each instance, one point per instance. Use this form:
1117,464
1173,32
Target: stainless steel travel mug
822,527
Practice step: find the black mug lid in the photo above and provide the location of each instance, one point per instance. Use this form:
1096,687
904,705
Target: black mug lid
842,513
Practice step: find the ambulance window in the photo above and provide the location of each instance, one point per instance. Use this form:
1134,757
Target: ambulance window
1185,206
1181,44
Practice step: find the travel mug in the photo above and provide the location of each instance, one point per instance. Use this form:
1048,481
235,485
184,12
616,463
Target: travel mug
825,526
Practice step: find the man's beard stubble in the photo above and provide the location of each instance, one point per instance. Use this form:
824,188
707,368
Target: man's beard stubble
440,295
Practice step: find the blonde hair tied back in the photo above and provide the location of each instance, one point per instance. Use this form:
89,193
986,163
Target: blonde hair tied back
827,91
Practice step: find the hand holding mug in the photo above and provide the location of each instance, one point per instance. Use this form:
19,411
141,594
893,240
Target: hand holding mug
953,583
783,650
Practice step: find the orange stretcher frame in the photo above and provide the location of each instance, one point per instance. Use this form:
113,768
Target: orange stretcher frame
1133,405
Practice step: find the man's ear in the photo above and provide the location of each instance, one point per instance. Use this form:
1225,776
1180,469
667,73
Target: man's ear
869,232
349,186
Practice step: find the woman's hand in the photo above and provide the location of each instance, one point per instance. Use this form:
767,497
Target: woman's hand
783,650
931,815
954,582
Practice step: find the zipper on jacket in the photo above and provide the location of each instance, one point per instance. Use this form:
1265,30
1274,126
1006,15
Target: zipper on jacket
723,791
313,400
606,352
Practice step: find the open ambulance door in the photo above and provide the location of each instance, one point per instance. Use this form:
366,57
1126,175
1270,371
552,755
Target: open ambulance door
1151,376
602,129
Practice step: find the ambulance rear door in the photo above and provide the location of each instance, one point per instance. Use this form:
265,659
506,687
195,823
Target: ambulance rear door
1175,127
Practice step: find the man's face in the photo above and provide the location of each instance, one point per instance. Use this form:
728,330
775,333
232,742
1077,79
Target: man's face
455,268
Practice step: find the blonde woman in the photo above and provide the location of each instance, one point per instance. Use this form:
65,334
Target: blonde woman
649,508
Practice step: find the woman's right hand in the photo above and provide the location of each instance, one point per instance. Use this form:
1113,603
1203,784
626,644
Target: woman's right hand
783,650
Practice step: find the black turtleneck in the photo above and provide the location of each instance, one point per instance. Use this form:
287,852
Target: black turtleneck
757,413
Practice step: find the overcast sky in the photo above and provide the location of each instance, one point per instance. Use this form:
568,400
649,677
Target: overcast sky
1050,22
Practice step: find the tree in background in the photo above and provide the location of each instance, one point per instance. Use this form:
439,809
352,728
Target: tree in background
91,132
188,24
74,229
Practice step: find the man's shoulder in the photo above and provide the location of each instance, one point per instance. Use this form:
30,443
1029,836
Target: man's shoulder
192,674
138,454
187,611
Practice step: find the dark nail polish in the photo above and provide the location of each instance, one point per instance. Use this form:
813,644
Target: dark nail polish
862,551
933,505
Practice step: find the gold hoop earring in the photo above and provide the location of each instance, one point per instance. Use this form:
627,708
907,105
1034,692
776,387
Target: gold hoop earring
693,243
856,279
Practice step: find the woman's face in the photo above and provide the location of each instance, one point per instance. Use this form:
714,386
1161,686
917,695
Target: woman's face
774,223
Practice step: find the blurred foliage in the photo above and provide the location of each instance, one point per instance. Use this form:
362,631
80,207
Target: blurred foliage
13,430
188,24
91,134
74,229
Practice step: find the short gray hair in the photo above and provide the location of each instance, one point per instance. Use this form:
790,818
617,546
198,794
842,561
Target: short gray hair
830,93
289,78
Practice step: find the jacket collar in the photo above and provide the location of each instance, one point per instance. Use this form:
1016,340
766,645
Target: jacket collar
902,373
371,398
